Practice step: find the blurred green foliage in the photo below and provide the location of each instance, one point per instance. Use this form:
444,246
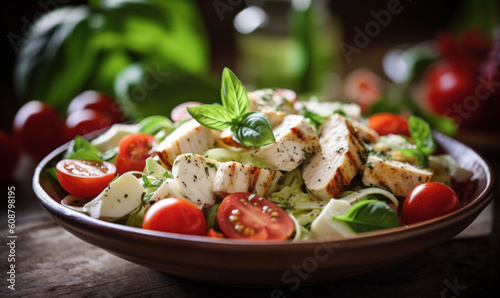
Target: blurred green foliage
72,49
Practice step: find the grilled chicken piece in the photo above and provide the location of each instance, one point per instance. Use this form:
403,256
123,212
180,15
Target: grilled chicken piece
326,108
169,189
190,137
266,100
296,140
329,171
399,177
195,174
367,134
234,177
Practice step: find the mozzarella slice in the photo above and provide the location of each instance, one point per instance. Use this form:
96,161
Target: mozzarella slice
111,138
329,171
399,177
118,199
296,140
324,227
190,137
169,189
195,176
234,177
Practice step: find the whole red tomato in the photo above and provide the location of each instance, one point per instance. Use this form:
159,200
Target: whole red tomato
84,121
428,201
452,92
175,216
97,101
38,129
9,157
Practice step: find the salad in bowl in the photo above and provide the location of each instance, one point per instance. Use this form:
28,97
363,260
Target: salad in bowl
264,166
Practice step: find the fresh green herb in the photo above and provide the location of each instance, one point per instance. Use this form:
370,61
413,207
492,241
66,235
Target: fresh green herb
368,216
52,171
253,130
145,180
421,134
212,216
316,119
80,148
154,124
250,129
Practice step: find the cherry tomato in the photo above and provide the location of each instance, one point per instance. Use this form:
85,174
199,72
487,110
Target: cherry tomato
450,88
84,178
85,121
9,157
99,102
387,123
363,87
248,216
38,129
288,94
175,216
428,201
133,151
180,113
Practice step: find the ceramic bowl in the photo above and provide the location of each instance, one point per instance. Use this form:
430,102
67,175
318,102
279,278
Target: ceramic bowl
269,263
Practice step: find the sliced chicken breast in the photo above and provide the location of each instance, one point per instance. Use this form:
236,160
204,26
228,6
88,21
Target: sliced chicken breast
265,100
236,177
195,174
399,177
296,140
190,137
329,171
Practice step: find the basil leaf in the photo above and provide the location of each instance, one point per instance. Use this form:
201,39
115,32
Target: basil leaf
153,124
313,118
233,95
369,216
211,116
422,158
254,130
421,134
212,217
82,149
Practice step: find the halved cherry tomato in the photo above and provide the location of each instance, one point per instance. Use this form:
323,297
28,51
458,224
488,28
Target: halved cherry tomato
133,151
38,129
287,94
97,101
84,178
85,121
180,112
248,216
9,157
387,123
175,216
429,200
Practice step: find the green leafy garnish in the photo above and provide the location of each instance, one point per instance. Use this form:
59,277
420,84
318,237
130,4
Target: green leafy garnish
254,130
250,129
80,148
421,134
316,119
212,217
153,124
369,216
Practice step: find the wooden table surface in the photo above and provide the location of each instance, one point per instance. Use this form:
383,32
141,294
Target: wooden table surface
51,262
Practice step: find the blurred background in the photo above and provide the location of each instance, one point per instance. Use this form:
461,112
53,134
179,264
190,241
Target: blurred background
144,57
